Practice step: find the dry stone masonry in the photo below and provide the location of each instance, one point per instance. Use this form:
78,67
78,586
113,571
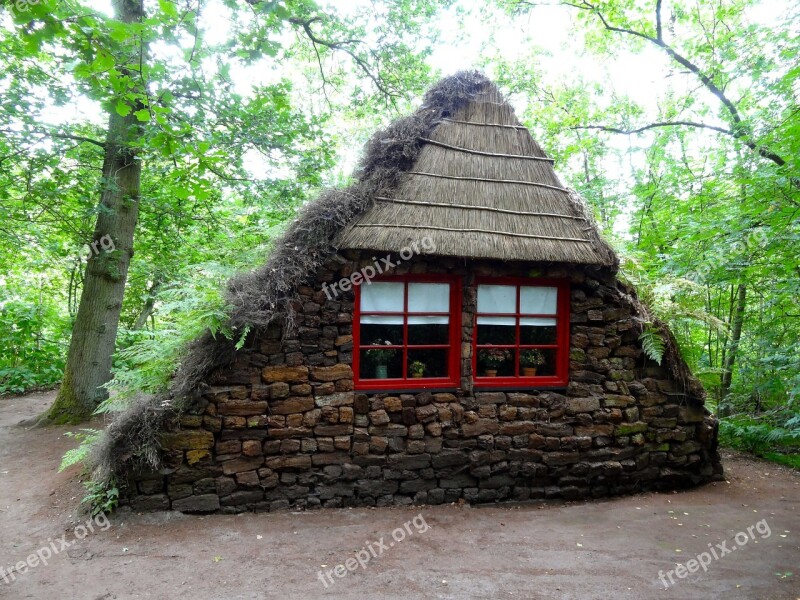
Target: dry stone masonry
283,427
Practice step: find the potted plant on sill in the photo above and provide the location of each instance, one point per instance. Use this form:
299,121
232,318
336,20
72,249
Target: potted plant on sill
381,357
417,369
529,360
491,359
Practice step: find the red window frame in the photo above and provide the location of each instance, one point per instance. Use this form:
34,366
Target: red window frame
561,376
453,344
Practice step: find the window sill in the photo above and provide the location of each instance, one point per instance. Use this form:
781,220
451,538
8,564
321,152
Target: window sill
498,383
406,390
524,387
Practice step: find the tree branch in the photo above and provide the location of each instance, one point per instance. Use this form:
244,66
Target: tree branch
740,129
342,46
60,136
654,126
77,138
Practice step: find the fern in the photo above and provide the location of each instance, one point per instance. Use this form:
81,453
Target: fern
86,438
101,497
652,343
760,436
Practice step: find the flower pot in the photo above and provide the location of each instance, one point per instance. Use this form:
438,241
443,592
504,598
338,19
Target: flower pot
491,373
529,371
381,372
416,375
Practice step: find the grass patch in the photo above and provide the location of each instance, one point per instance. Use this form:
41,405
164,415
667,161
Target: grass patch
789,460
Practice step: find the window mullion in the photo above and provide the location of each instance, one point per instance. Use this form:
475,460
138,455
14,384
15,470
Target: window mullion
517,334
404,366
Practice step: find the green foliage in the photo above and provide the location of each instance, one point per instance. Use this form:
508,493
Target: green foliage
86,439
187,307
775,436
789,460
31,345
101,497
417,367
652,343
531,358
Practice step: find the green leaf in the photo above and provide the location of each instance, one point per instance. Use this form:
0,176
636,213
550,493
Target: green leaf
122,109
168,8
652,344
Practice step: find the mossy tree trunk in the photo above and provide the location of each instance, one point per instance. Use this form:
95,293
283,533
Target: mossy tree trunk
94,333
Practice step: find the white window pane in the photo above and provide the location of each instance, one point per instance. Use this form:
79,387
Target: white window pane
497,299
382,320
428,297
538,300
537,321
382,297
421,320
497,321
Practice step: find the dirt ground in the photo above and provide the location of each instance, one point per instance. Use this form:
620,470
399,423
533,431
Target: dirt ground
610,549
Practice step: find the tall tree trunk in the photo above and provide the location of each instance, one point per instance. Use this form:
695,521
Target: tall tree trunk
94,333
736,334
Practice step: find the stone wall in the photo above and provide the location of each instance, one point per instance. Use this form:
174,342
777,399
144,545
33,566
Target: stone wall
282,426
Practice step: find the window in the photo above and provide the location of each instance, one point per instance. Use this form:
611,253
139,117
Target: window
521,333
407,333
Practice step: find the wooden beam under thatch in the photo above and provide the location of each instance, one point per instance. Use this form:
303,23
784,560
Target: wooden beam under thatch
517,181
520,127
478,152
485,208
487,231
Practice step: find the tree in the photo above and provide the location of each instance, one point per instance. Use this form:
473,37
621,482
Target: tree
94,333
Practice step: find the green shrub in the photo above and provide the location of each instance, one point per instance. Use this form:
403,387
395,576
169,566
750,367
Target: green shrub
32,346
764,436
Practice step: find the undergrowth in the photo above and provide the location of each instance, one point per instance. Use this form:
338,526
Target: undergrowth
774,436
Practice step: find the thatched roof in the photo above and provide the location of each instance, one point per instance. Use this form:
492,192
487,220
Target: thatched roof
482,187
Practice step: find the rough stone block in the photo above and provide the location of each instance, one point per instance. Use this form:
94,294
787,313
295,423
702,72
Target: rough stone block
284,373
292,404
197,439
332,373
582,405
239,465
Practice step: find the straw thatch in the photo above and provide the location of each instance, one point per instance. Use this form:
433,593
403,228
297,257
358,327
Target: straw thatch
482,188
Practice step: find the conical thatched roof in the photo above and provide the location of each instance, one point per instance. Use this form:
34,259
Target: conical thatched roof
482,187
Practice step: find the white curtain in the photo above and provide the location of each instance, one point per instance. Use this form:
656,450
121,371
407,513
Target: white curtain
382,297
538,300
428,297
497,299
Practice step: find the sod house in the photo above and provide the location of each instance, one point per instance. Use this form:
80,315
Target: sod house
449,327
